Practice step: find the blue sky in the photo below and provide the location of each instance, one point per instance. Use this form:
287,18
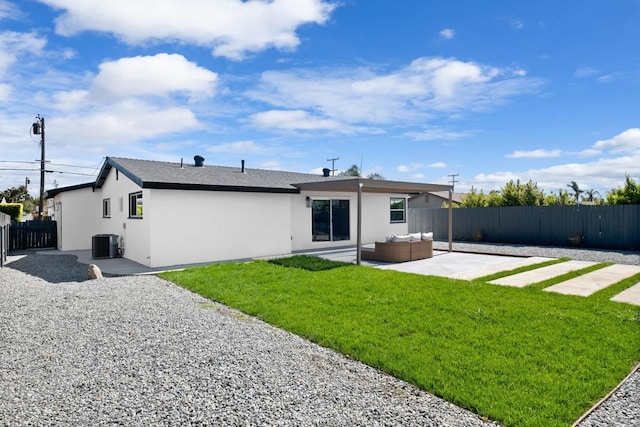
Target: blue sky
415,90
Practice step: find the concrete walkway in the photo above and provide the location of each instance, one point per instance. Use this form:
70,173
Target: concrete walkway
504,265
591,283
630,295
541,274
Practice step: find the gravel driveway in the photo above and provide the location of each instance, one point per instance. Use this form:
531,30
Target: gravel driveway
141,351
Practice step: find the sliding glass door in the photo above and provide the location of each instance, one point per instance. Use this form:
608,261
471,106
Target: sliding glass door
330,220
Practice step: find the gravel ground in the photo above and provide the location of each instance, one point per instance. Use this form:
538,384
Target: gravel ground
580,254
140,351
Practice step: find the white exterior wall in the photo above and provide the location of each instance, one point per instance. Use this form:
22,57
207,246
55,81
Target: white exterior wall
77,214
134,234
376,223
203,226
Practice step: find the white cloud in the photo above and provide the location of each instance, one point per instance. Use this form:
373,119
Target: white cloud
271,165
534,154
14,45
230,27
436,133
417,176
437,165
448,33
607,78
627,141
589,152
158,75
5,91
409,168
601,174
127,121
296,120
516,24
236,147
8,10
583,72
426,87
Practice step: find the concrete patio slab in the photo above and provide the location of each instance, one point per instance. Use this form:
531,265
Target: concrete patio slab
453,264
630,295
591,283
501,265
540,274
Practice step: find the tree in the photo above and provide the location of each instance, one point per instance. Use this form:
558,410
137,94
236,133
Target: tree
375,175
354,170
516,194
627,195
16,194
576,189
590,195
473,199
563,198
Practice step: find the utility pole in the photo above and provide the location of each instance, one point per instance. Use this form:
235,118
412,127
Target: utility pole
38,129
453,180
333,165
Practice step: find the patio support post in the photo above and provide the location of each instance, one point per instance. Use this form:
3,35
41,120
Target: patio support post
359,232
450,220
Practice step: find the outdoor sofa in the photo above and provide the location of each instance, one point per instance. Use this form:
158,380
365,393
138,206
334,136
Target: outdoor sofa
401,248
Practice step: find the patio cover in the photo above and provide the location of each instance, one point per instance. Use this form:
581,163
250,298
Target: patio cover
362,185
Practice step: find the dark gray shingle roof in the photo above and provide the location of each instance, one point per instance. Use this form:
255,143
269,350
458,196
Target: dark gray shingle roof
154,174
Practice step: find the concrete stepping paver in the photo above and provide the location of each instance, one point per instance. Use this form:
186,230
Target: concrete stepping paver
540,274
630,295
496,268
591,283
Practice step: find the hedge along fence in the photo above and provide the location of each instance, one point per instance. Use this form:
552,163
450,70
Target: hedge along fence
14,210
605,227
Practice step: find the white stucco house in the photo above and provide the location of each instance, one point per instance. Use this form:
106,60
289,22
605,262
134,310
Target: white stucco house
172,213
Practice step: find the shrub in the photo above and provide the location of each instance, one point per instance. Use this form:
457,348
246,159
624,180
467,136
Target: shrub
14,210
306,262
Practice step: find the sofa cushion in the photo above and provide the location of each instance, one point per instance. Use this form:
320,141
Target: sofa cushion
415,236
427,236
398,238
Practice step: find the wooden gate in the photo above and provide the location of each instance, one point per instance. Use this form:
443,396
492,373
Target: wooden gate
33,235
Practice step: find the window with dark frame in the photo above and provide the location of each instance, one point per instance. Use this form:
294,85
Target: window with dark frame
106,208
135,205
330,220
398,209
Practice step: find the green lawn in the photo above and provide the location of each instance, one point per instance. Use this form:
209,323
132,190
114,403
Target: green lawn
518,356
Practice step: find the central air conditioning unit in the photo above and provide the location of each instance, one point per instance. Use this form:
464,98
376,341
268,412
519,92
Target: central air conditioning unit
104,246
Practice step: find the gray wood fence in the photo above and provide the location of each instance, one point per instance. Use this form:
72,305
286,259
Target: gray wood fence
606,227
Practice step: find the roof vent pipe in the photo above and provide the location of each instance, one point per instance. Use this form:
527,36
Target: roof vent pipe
181,163
242,163
326,171
199,161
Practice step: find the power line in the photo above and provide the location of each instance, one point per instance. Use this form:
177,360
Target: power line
48,171
72,166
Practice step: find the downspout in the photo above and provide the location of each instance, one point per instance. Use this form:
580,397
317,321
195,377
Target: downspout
450,220
359,232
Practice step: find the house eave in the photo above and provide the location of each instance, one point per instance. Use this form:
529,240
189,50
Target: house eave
371,186
209,187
